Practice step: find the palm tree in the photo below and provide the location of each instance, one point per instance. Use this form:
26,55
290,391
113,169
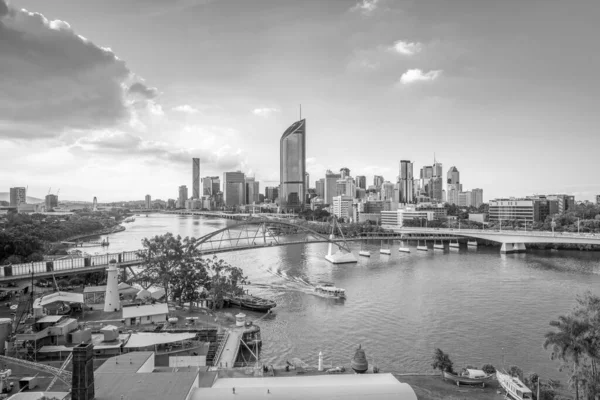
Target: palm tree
568,344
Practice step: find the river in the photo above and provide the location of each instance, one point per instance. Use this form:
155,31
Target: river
477,305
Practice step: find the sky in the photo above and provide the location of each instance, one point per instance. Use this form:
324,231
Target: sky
113,98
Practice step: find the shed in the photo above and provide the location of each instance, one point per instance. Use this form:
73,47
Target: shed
146,314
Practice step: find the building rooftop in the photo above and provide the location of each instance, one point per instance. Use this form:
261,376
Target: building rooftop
133,386
145,339
142,311
126,363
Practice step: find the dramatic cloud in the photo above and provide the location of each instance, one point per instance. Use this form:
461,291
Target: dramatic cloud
416,75
264,112
185,109
406,48
54,80
116,143
366,7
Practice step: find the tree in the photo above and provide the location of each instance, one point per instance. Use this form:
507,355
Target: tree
567,345
187,280
442,361
488,368
164,257
224,280
514,370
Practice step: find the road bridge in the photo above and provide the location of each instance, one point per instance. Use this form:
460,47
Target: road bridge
512,241
246,235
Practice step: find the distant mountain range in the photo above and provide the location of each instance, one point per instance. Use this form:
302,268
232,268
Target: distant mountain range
5,196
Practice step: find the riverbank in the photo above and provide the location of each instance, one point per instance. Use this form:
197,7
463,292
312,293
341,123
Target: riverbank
108,231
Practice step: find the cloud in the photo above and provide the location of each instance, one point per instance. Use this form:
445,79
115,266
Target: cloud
366,7
185,109
264,112
406,48
118,143
54,80
416,75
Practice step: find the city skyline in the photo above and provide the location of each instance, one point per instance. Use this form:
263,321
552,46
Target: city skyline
455,79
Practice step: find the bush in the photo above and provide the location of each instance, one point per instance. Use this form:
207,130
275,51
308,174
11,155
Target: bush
515,371
488,368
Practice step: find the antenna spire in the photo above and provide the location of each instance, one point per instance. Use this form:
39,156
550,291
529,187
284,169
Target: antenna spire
300,112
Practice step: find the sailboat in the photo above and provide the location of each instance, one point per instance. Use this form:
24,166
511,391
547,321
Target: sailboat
363,252
339,257
385,250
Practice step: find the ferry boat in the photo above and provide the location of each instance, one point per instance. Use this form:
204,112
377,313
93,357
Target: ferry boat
329,290
515,389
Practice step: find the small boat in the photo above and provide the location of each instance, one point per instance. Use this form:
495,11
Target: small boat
251,302
329,290
471,377
514,387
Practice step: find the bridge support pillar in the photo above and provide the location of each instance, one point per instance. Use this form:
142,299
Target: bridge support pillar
509,248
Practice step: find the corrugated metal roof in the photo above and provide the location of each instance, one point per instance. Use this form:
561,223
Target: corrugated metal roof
142,311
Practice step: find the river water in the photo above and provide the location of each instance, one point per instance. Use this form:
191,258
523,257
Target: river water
478,305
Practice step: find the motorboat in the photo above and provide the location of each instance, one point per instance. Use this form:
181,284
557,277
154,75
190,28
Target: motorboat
470,377
513,386
328,290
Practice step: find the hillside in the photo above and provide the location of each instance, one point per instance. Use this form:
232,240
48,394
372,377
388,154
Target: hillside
5,196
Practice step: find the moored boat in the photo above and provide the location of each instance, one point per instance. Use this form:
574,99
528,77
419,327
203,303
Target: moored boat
251,302
329,290
513,386
359,362
472,377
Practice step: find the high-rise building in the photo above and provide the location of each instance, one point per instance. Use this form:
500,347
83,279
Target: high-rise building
252,191
453,176
18,195
195,178
183,196
387,191
320,187
234,188
426,172
271,193
464,199
405,182
148,202
207,186
378,181
306,181
342,207
565,202
293,166
346,187
476,197
330,186
598,199
531,209
95,204
453,191
361,182
51,202
344,172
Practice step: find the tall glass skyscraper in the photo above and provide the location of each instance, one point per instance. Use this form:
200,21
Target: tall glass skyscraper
293,166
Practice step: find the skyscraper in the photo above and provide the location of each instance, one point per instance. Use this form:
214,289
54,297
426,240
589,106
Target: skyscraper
405,182
387,191
320,187
51,202
148,202
271,193
252,191
453,176
330,186
378,181
361,181
95,204
234,188
18,195
306,181
344,172
183,196
293,166
454,187
476,197
196,178
436,183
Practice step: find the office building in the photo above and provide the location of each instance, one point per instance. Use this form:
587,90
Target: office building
436,191
565,202
439,211
361,182
342,207
405,183
531,209
271,193
453,176
464,199
211,185
346,187
148,202
331,180
378,181
426,172
454,189
306,181
234,188
387,191
293,166
18,195
195,178
171,203
320,188
252,191
51,202
597,199
476,197
183,196
344,172
396,218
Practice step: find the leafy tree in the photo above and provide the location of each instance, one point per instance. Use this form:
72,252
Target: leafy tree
442,361
488,368
188,279
514,370
224,280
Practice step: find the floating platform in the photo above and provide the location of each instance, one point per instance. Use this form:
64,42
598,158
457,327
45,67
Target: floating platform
472,243
422,248
341,258
364,253
438,247
385,251
404,250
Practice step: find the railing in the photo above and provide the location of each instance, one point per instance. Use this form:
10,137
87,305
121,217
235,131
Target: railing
501,232
220,349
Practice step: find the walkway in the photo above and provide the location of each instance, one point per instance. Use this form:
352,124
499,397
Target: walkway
228,354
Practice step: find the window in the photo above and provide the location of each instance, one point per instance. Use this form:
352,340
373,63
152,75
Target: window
148,318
